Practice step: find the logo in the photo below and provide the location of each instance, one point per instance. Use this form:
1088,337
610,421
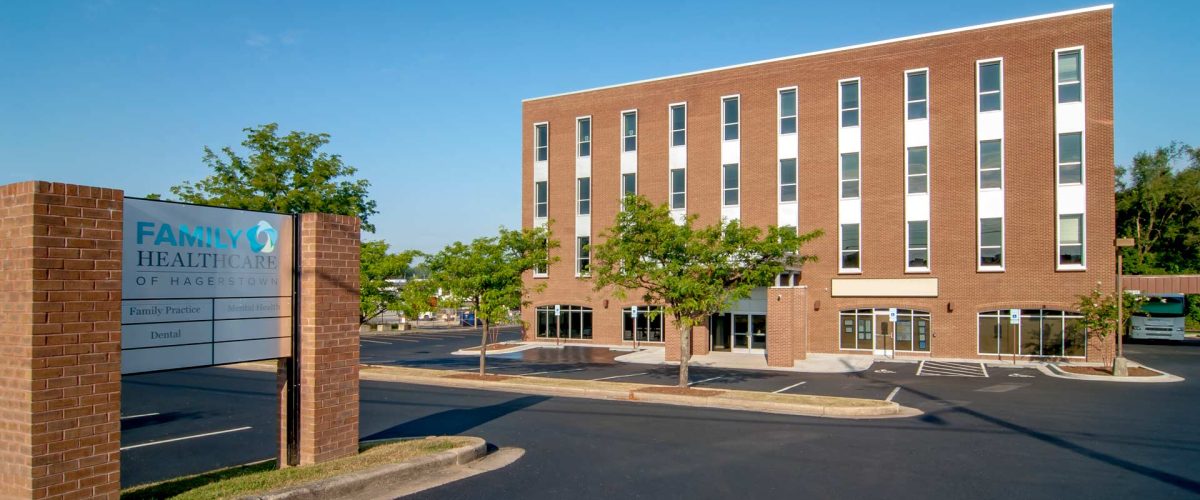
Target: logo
262,237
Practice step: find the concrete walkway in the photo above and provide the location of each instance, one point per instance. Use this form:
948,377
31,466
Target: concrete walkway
816,363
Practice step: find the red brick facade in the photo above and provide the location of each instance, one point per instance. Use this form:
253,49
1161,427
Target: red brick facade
1030,278
60,338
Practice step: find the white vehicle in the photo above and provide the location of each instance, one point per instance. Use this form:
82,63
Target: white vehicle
1161,317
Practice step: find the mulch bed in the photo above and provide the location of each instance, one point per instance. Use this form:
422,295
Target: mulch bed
1134,371
476,376
495,347
681,391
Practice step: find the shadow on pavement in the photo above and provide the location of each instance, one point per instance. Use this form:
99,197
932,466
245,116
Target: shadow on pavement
458,421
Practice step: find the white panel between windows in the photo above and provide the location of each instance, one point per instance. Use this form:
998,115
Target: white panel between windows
789,215
849,140
849,211
733,212
583,167
916,133
1072,199
916,207
677,157
1068,117
731,152
629,162
679,215
787,146
539,222
541,171
991,203
583,225
990,125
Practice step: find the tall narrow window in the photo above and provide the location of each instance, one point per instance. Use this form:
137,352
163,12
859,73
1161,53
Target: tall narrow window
991,163
849,103
729,117
917,100
584,127
583,252
678,188
787,111
541,203
1070,82
787,180
918,244
991,242
1070,240
989,86
629,131
679,125
541,141
628,184
850,247
542,266
730,174
1070,158
850,175
584,192
918,170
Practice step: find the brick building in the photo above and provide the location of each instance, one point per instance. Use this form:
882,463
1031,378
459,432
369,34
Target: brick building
963,180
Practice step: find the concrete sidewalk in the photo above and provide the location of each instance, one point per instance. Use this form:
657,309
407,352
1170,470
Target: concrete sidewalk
816,363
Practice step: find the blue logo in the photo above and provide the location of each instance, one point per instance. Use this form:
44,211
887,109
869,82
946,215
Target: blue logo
262,237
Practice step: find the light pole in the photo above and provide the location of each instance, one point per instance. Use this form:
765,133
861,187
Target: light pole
1120,368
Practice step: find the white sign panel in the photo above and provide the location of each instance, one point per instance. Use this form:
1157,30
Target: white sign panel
1014,316
204,286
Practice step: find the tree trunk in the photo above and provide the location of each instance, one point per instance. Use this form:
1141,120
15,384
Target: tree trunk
483,349
685,354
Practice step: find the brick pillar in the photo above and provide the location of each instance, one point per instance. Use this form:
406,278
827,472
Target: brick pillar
329,308
784,325
60,341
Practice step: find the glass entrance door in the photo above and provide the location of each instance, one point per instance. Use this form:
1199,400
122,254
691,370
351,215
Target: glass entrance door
749,333
884,337
741,333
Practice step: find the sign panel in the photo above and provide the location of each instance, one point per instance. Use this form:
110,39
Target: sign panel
1014,316
204,286
892,315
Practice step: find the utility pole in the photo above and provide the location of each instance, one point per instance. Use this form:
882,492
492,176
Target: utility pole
1120,366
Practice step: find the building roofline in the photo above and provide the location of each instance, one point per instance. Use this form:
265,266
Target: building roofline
838,49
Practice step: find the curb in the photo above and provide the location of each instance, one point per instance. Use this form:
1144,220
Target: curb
890,410
1052,370
354,483
523,347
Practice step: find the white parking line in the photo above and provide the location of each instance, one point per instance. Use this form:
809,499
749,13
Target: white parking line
172,440
789,387
620,376
375,342
893,394
705,380
139,416
553,371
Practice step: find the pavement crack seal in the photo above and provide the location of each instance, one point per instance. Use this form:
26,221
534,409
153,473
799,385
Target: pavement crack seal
791,404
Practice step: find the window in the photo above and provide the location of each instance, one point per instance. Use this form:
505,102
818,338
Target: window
584,127
629,131
917,99
857,328
991,164
1070,76
583,255
850,175
989,86
730,175
850,247
679,125
787,180
541,141
541,202
541,269
787,111
849,105
788,279
991,242
628,184
1037,332
678,188
584,192
572,322
1070,240
918,244
729,116
1070,158
645,326
918,170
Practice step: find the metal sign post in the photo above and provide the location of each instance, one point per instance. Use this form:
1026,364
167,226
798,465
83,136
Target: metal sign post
892,320
557,325
1014,318
635,334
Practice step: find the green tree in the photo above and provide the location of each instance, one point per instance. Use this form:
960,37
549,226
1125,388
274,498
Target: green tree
1099,317
693,273
378,295
1158,205
486,274
417,296
281,174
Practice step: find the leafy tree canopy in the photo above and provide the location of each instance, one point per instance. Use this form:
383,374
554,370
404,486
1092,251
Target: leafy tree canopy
1158,205
285,174
377,266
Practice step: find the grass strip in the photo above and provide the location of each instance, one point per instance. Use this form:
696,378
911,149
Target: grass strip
264,476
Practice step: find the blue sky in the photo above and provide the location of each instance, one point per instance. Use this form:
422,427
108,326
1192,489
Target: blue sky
425,97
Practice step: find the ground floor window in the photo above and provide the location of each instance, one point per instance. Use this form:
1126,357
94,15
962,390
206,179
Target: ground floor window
571,322
738,332
871,328
646,326
1037,332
